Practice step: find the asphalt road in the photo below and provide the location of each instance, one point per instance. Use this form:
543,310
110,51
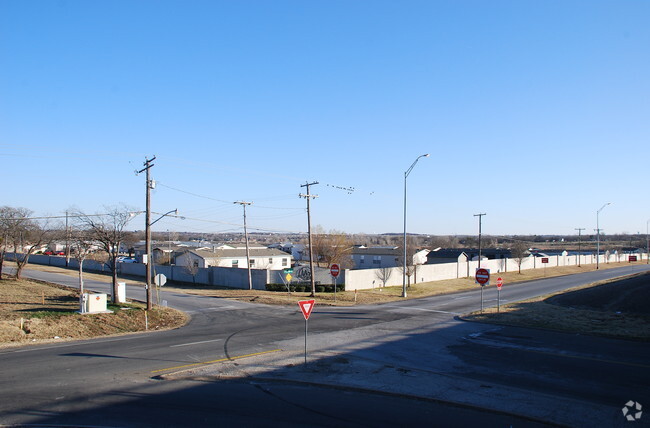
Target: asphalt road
111,381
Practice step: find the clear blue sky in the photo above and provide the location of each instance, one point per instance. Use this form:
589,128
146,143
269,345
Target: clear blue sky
534,112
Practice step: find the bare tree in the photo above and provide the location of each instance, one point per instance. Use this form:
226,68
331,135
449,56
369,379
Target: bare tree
24,234
81,242
334,247
384,274
192,267
519,250
410,252
108,230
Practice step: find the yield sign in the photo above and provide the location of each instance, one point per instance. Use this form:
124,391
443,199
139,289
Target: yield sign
306,307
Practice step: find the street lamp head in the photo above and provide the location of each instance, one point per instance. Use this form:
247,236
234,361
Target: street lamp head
601,208
426,156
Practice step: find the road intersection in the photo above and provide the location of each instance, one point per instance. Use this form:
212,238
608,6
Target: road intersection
414,348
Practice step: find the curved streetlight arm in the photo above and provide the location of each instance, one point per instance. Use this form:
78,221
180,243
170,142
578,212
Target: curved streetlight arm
166,214
601,208
408,171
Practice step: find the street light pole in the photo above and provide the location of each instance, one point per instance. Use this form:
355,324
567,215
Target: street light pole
480,218
406,174
598,233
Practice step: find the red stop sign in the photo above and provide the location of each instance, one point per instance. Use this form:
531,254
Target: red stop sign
499,283
334,270
482,276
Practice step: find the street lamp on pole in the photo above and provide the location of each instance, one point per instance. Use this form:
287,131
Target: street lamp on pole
406,174
598,233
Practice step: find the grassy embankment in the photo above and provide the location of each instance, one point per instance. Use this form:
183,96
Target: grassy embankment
36,312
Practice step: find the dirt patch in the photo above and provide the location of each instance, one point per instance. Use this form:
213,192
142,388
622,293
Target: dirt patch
34,311
607,309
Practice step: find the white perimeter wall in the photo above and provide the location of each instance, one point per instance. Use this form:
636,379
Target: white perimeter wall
365,279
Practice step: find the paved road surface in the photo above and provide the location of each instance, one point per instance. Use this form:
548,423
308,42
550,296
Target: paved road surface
57,383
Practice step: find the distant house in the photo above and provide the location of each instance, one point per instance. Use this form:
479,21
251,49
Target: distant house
453,255
297,251
383,257
375,257
260,258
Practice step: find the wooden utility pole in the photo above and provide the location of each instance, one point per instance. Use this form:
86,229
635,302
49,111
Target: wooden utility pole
309,196
149,185
67,241
248,254
579,229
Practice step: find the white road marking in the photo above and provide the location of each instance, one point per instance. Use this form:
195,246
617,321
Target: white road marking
194,343
428,310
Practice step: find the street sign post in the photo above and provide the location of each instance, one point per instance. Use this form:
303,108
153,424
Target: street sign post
482,277
334,271
160,280
544,262
499,285
306,306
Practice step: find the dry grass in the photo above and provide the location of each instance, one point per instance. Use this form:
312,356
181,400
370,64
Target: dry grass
32,312
347,298
540,313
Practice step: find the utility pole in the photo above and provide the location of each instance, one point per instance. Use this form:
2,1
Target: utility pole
579,229
149,185
248,255
67,241
480,217
309,196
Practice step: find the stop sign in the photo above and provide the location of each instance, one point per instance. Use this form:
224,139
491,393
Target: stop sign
334,270
499,283
482,276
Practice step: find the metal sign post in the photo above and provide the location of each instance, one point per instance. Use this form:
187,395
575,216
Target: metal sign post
334,271
499,285
482,277
306,306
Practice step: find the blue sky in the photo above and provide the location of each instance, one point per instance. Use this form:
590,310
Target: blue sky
536,113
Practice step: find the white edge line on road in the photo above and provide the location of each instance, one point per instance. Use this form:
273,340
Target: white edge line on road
427,310
69,344
195,343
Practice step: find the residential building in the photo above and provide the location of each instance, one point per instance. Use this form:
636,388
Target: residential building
260,258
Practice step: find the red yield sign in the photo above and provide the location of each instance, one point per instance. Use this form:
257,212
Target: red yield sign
335,270
306,306
499,283
482,276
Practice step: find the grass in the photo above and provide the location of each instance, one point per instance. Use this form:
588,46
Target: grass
541,312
